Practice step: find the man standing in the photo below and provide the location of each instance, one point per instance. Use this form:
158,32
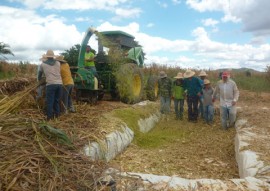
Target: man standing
229,94
89,59
68,85
202,77
178,96
51,69
208,106
193,86
164,90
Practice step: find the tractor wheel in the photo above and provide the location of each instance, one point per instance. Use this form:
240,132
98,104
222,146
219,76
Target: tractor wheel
129,83
152,88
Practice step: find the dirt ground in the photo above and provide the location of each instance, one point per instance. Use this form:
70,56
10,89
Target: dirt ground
204,151
256,109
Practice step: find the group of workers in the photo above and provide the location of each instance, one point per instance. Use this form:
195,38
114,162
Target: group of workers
59,82
200,96
197,91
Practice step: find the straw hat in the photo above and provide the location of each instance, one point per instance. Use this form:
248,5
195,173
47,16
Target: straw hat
206,81
60,58
179,76
43,58
162,74
202,73
189,73
49,54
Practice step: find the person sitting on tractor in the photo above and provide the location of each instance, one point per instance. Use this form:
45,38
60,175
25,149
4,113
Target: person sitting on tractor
89,60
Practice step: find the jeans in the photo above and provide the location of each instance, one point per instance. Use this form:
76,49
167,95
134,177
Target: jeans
165,104
53,94
201,108
192,107
227,113
66,97
179,108
208,113
93,69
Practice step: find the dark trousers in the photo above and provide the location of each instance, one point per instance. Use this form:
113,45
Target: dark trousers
53,95
192,102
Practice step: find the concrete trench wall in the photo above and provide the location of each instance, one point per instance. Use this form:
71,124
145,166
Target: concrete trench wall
116,142
251,170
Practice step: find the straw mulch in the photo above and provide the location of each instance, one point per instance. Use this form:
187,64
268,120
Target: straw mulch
32,160
9,87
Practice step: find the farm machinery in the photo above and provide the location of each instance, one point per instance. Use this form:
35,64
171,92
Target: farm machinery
119,70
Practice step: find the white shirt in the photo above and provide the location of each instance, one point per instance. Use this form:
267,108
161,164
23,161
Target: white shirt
227,91
52,73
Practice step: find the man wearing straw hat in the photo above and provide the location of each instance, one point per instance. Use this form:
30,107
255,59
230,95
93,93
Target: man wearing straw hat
208,105
202,77
228,96
178,96
51,69
193,87
164,90
68,85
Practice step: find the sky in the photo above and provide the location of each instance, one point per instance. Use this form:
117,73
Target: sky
198,34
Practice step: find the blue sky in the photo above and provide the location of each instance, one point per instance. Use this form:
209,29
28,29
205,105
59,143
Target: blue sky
201,34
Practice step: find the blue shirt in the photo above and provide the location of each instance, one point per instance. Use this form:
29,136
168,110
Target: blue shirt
193,86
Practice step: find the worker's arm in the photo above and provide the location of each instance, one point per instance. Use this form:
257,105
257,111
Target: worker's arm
40,72
235,94
216,92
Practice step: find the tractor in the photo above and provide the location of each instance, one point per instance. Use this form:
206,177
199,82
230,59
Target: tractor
119,70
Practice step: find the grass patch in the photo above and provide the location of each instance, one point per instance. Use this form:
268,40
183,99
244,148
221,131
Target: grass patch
159,136
255,83
156,137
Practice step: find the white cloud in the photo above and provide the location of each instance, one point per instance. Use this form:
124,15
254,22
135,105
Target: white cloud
210,22
208,5
114,6
150,25
83,19
163,5
128,13
204,52
176,2
30,35
30,4
254,14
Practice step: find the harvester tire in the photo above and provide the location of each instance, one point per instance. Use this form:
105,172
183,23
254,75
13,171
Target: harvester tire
152,88
129,83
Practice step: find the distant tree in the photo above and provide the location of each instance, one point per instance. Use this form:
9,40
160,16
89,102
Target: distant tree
71,55
5,50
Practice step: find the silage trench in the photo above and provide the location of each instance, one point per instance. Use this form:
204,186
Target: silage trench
188,150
